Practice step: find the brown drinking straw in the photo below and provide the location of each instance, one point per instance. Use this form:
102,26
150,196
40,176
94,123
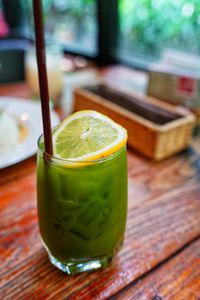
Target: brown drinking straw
42,72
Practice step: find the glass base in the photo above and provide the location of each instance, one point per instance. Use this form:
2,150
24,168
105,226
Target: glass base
77,266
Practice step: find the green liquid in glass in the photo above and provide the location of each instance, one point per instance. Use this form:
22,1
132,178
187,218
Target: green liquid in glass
82,211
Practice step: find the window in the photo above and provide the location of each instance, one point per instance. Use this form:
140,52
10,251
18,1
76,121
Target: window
73,23
132,31
149,27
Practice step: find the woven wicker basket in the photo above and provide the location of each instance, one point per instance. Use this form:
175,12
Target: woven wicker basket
155,141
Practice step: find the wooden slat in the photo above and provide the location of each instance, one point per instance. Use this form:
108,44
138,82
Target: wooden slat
177,279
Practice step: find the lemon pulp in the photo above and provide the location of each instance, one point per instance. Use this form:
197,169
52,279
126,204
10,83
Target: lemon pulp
88,135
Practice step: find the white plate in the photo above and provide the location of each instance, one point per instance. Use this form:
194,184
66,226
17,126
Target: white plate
29,112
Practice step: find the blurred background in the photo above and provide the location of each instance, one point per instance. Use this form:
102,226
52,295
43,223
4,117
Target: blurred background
133,32
140,34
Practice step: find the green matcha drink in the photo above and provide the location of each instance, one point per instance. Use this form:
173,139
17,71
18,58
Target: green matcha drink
82,206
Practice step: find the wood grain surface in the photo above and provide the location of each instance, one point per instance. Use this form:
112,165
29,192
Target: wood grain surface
177,279
163,216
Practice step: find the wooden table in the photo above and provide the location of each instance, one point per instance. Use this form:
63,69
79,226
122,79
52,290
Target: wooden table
160,258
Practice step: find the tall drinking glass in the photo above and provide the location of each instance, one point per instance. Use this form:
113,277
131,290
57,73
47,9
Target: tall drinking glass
82,209
54,72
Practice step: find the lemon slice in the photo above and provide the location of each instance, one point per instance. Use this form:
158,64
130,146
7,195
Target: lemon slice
88,135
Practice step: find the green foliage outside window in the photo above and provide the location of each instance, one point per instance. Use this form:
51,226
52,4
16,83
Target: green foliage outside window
149,26
70,21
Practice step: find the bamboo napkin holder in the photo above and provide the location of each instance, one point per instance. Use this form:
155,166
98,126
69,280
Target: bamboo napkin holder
155,129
